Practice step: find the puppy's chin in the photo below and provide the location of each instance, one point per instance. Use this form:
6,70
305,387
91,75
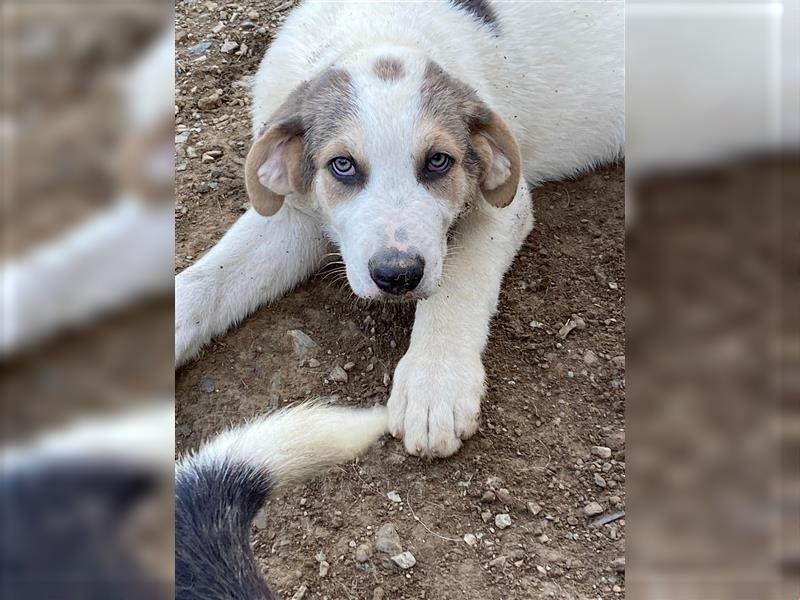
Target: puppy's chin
407,298
376,295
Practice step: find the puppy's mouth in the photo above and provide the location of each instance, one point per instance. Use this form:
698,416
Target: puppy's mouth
406,298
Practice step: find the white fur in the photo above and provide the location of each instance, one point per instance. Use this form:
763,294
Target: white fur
257,261
118,256
295,443
109,262
143,435
554,74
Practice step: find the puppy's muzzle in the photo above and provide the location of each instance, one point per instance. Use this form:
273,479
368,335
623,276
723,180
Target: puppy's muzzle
396,272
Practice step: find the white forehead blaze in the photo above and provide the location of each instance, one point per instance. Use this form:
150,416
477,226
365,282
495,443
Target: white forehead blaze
388,112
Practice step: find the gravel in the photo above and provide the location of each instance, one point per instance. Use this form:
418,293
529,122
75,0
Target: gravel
592,509
302,342
404,560
534,508
387,540
338,374
363,553
200,48
502,520
504,496
229,47
601,451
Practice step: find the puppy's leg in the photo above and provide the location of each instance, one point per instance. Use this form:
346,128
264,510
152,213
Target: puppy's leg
111,261
438,384
257,261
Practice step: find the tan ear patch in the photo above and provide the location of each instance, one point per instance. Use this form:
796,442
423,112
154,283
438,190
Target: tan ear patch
456,108
388,69
502,163
281,160
266,192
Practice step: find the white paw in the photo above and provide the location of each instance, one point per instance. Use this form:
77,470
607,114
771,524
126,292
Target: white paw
435,402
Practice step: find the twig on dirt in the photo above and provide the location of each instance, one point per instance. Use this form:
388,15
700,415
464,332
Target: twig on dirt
428,529
606,519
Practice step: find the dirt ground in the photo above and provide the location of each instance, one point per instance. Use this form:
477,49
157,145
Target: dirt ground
550,403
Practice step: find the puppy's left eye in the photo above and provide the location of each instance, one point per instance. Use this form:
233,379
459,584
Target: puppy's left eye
439,163
343,168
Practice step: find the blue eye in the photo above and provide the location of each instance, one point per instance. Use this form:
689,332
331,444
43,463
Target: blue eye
342,167
439,163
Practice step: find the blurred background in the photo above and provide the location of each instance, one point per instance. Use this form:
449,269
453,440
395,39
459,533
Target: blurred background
86,267
713,257
86,264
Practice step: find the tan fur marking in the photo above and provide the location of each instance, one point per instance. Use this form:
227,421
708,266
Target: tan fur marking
389,69
312,114
456,108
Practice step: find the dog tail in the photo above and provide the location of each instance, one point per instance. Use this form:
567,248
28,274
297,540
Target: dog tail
220,489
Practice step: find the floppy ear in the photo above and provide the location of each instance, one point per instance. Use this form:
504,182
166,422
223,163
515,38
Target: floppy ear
273,167
500,158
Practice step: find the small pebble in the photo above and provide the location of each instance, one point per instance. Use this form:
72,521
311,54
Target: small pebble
504,496
592,509
229,47
324,568
404,560
338,374
503,520
500,562
300,593
363,553
387,540
200,48
534,508
394,496
601,451
590,358
470,540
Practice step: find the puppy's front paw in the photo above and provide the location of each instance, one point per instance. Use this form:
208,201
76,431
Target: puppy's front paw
435,402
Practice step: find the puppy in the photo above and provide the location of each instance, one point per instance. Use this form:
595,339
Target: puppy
404,134
219,490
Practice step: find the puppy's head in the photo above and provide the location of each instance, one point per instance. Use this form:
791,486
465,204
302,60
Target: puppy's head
389,149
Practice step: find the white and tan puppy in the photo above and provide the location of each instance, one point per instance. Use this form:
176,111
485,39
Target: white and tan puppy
405,134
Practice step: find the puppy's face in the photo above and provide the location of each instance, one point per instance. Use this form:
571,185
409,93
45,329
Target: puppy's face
390,150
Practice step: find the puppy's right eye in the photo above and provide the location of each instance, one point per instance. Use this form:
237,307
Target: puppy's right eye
343,168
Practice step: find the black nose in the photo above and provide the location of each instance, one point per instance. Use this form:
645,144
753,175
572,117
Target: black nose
396,272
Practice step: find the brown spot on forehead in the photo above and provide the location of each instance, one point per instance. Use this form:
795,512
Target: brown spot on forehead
388,69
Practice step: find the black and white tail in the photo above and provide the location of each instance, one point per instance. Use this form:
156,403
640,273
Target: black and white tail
219,490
